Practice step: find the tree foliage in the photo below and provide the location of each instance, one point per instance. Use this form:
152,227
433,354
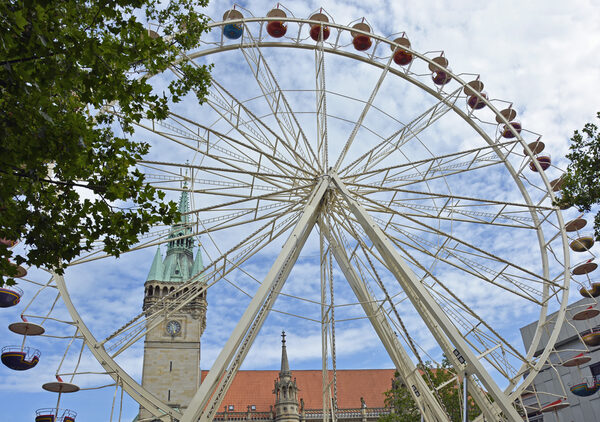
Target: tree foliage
580,186
67,179
406,410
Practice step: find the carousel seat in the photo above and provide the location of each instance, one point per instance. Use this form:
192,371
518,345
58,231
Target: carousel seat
20,359
582,244
593,291
584,390
10,296
577,360
51,415
592,338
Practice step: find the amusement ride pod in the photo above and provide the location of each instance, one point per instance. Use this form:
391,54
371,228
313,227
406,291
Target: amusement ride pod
401,56
233,31
276,29
361,42
315,29
440,72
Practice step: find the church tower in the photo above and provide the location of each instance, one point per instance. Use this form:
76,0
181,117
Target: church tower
171,368
286,390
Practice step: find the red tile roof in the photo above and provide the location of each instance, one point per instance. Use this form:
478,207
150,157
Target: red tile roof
256,388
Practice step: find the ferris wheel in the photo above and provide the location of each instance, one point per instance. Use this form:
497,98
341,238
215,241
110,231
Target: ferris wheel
416,193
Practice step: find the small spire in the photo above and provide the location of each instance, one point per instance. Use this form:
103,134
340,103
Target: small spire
198,263
157,269
285,366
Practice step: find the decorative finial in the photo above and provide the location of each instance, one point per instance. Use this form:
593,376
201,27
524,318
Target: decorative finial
283,337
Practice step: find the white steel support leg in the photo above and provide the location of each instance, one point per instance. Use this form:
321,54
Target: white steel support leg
324,265
433,315
416,385
252,320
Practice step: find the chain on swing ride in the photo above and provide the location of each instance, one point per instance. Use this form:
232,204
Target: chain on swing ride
391,206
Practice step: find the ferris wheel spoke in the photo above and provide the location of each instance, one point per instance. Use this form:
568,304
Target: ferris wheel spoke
363,114
321,106
277,101
252,128
394,142
430,168
243,150
454,207
233,162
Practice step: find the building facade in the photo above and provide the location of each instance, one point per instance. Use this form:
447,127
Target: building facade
573,366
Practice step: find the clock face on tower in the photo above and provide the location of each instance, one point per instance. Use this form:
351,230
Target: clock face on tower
173,327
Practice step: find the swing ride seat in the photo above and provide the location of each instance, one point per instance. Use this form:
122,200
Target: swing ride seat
10,296
593,291
50,415
584,390
20,359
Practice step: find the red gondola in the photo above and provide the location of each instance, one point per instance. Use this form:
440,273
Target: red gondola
276,29
360,41
315,29
401,56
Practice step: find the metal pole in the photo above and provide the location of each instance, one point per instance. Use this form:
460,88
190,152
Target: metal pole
465,399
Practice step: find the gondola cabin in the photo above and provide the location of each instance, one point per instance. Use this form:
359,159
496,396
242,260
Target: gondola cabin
440,72
319,32
477,103
401,56
276,29
233,31
471,90
508,133
361,42
544,160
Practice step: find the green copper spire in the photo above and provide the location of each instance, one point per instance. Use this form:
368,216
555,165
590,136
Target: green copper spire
198,263
179,260
156,270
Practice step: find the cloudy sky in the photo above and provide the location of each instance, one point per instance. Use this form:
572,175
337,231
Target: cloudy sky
539,56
